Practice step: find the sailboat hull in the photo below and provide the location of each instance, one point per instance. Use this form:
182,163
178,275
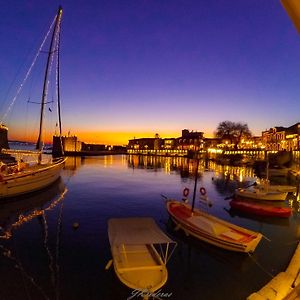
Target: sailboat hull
31,179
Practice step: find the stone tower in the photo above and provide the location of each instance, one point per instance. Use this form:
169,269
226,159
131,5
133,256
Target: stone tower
3,137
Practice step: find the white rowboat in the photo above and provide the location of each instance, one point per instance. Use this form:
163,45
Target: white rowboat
137,260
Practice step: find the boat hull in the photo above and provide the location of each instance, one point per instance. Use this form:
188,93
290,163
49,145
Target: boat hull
30,180
261,209
139,268
246,242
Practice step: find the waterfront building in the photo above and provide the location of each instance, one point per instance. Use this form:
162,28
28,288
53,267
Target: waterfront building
3,137
68,144
94,147
143,144
282,138
189,140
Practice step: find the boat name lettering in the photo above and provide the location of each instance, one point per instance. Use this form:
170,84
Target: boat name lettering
146,293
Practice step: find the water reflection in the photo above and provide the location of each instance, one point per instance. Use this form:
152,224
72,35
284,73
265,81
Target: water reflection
45,258
186,166
18,211
181,165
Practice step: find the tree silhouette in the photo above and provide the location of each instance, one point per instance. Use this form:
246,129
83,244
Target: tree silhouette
234,131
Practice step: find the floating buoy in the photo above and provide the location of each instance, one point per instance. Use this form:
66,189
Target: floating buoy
75,225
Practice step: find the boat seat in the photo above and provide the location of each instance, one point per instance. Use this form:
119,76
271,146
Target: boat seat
127,269
132,249
233,235
207,225
135,256
180,211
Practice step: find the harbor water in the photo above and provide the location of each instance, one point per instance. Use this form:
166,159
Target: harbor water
54,243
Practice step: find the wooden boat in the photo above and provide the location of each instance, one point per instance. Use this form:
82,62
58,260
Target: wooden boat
23,178
261,194
136,259
261,209
211,229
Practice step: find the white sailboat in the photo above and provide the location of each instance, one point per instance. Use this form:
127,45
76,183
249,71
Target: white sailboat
23,178
264,190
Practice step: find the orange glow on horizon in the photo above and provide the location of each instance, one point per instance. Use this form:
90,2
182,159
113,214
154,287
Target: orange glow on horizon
101,137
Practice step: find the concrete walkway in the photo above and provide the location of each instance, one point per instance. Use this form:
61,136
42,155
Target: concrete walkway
285,285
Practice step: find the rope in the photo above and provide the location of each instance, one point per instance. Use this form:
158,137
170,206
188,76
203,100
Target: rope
7,253
51,261
260,266
59,226
28,72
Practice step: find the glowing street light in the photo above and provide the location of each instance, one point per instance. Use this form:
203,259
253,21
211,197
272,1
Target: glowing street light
292,8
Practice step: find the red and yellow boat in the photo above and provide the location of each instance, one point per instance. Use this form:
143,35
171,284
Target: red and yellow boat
211,229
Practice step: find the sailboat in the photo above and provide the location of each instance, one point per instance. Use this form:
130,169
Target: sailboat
209,228
264,190
23,178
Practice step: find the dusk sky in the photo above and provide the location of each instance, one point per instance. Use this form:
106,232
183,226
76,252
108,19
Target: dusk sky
133,68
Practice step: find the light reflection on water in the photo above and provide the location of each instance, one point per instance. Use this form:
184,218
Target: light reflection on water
46,258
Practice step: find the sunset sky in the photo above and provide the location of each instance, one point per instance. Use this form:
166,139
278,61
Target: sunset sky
133,68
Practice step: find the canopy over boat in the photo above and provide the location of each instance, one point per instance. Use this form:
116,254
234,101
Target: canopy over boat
140,253
135,231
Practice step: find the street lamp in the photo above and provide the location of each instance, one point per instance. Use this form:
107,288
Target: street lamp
292,8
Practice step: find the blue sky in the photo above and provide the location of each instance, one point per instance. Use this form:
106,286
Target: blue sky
134,68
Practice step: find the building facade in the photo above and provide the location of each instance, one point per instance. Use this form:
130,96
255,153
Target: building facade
282,138
189,140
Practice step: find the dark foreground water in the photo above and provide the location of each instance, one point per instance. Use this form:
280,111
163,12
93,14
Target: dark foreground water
42,255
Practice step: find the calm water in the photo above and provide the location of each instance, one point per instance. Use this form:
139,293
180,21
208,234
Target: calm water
42,256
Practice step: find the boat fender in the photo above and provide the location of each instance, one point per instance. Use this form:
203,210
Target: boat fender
202,191
186,192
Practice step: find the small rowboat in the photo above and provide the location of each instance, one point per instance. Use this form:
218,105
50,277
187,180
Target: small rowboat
140,252
211,229
261,209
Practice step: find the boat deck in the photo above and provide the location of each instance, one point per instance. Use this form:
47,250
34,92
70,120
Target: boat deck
135,257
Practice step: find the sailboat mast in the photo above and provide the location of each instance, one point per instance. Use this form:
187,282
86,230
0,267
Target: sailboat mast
39,143
195,184
58,84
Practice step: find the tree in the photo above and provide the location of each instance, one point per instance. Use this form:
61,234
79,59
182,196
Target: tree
234,131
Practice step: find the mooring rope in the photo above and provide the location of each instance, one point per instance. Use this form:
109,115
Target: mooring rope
260,266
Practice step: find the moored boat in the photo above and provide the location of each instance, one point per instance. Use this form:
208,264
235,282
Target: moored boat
23,178
137,261
261,209
30,179
261,194
276,187
211,229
